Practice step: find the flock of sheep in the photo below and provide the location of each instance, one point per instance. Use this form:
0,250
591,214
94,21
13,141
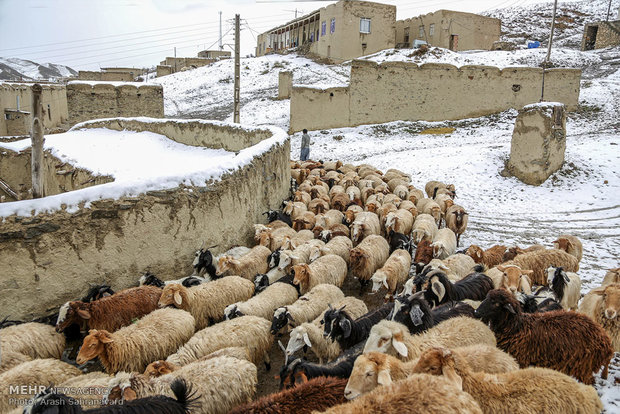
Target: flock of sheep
496,330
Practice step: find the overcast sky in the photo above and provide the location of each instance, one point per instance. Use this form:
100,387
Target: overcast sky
88,34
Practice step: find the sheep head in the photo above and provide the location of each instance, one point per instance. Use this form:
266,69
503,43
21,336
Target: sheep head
379,279
226,264
94,345
174,294
159,368
369,371
358,259
610,303
514,279
336,323
302,274
563,243
72,312
387,337
349,217
498,308
476,253
439,361
438,249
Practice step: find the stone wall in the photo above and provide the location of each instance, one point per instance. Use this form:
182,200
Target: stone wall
600,34
538,142
54,100
285,84
111,74
86,101
56,257
163,70
392,91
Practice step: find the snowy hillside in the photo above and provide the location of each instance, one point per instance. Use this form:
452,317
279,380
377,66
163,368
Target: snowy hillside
20,69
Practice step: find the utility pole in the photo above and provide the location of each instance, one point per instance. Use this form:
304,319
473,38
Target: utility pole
237,70
547,59
608,11
221,45
36,136
175,59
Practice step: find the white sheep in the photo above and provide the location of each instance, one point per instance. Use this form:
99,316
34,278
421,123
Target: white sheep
265,303
444,243
246,331
306,308
602,304
310,334
565,287
329,218
89,388
456,267
393,273
302,254
430,207
247,266
132,348
294,209
34,339
400,221
206,302
612,276
273,238
293,242
369,256
366,223
424,228
570,244
401,191
330,269
410,207
9,359
394,339
339,245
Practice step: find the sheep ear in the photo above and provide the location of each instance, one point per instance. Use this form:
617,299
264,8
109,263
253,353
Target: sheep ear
129,394
385,283
566,279
307,340
83,313
501,268
400,347
345,324
509,308
416,315
105,338
452,376
384,378
439,290
177,298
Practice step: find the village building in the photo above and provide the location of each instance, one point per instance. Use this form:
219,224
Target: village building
449,30
111,74
214,54
601,34
339,32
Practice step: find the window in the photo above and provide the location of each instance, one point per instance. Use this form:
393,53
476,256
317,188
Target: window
332,25
364,25
421,31
323,28
431,29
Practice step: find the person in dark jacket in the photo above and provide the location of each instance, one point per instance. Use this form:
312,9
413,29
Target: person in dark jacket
305,146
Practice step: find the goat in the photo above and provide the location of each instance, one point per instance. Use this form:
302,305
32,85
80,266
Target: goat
474,286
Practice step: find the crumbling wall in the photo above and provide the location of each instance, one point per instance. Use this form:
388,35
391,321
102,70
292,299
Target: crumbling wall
105,100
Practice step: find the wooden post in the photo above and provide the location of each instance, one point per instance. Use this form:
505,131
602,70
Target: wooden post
36,135
237,93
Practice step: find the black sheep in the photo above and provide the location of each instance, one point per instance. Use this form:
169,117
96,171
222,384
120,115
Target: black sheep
274,258
340,327
97,292
273,215
149,279
399,241
531,304
261,282
203,263
474,286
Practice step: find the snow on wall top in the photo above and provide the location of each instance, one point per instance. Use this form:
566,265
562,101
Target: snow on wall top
113,83
138,161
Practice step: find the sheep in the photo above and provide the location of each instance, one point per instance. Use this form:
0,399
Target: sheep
296,240
95,382
395,183
334,231
262,281
445,201
539,261
247,331
444,243
133,347
392,199
32,374
415,313
432,188
320,189
532,304
159,368
490,257
365,224
97,292
294,209
355,195
329,218
289,258
369,256
332,165
372,204
565,287
340,202
317,206
523,391
341,325
605,310
302,196
299,174
398,241
570,244
109,313
456,220
423,255
424,228
456,266
415,195
367,192
316,394
310,334
265,303
306,308
247,266
430,207
400,221
304,221
330,269
393,273
410,207
33,339
562,340
393,338
474,286
511,278
612,276
401,191
9,359
394,173
418,393
340,246
383,212
514,251
206,302
222,383
374,368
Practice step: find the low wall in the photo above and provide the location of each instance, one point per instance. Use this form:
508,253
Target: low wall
53,98
314,108
163,70
56,257
106,100
392,91
285,84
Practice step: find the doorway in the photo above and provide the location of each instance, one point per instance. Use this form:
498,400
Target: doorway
454,43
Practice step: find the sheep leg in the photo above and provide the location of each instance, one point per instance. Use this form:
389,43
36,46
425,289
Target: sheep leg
267,362
605,372
458,237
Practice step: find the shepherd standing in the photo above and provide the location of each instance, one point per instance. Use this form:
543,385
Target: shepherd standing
305,146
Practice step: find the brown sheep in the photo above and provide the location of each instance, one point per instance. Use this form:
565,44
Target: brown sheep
319,205
605,310
490,257
540,260
423,254
247,266
330,269
456,220
305,222
368,256
340,202
514,251
570,244
612,276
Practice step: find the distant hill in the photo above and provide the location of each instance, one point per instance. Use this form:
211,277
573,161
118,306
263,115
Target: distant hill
19,69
